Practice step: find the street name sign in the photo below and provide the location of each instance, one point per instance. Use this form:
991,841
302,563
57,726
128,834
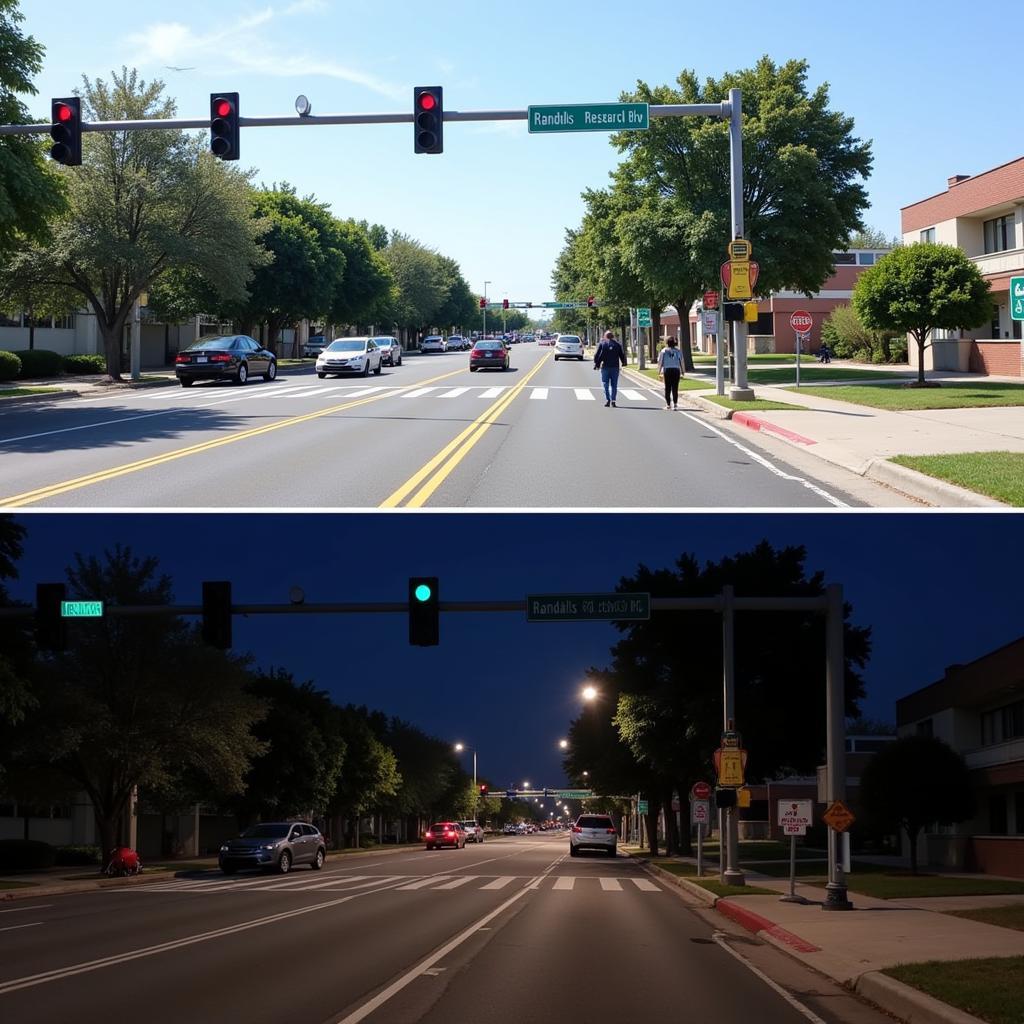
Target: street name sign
81,609
563,305
838,816
641,806
573,794
795,816
1017,298
587,607
588,117
643,317
700,812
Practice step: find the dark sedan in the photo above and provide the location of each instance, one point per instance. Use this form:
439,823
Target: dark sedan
488,353
234,357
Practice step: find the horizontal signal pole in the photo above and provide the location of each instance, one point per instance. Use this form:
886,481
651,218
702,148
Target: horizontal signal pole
721,110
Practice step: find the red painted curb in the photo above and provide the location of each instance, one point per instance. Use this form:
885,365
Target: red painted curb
747,419
756,923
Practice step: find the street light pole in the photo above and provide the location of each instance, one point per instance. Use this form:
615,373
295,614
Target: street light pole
486,283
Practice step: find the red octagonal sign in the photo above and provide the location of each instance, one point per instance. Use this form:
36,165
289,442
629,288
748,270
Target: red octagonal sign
801,321
700,791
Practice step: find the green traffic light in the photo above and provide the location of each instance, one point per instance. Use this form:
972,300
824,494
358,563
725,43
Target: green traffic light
423,592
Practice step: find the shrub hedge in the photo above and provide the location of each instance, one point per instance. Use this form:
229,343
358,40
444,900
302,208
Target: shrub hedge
40,362
25,854
10,366
85,364
73,856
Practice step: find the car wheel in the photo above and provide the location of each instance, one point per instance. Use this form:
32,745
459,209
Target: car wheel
377,371
556,359
271,370
185,383
321,375
472,369
573,852
228,869
430,846
318,860
243,373
612,851
399,360
366,369
284,865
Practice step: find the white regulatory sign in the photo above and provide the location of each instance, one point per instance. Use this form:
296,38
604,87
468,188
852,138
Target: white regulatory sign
700,812
710,324
795,816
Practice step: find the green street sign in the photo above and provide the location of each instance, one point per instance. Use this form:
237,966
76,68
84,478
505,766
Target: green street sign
641,806
587,607
1017,298
643,318
81,609
589,117
573,794
565,305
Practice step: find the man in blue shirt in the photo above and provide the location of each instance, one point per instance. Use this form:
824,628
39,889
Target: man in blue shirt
609,357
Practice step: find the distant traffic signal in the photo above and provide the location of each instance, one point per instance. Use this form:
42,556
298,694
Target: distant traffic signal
424,609
428,119
224,128
217,614
504,303
483,303
590,300
483,789
51,633
66,131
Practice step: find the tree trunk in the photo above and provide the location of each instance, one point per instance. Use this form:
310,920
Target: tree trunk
683,309
112,335
919,338
652,829
273,329
912,833
655,333
671,828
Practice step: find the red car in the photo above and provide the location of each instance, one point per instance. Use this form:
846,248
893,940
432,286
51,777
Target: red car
445,833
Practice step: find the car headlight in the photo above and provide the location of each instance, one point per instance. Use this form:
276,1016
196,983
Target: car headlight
268,846
224,849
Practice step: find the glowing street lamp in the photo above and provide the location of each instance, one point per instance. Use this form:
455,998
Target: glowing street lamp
564,744
459,748
589,693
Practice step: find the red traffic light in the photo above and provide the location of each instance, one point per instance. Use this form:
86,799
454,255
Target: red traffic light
222,108
504,303
427,101
64,112
483,303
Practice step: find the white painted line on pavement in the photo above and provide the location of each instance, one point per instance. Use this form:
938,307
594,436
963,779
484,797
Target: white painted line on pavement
363,391
418,392
610,884
645,886
584,394
565,883
423,882
494,392
15,927
808,1013
633,396
500,883
348,888
539,393
84,426
454,393
458,881
305,392
21,910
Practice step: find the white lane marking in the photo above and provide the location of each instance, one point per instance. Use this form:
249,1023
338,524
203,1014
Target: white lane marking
418,392
454,393
349,888
455,884
500,883
423,882
15,927
21,910
304,392
493,392
806,1011
363,391
645,886
611,884
584,394
633,396
566,882
421,968
85,426
540,393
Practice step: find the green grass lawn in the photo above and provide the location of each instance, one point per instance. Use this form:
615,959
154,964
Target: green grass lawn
1000,475
689,871
992,989
814,372
10,884
757,405
752,358
1011,916
893,396
893,886
685,383
764,849
15,392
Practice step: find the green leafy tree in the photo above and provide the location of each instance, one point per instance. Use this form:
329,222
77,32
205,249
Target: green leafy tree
919,288
366,284
134,699
873,238
848,338
31,192
142,204
419,283
15,644
913,782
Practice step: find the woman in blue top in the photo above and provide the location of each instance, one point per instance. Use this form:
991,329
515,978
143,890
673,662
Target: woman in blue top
670,369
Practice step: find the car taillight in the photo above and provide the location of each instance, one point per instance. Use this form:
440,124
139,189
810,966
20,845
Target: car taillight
429,835
220,357
476,353
611,831
449,832
182,358
576,828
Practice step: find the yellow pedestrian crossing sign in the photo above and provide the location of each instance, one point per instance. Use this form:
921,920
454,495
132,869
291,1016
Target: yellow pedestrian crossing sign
1017,298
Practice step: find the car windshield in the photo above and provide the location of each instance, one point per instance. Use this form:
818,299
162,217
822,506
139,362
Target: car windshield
440,826
383,342
592,821
218,342
469,824
569,337
268,831
488,344
346,346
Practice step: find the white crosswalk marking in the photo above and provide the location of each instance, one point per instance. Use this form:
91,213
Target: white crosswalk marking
374,880
584,394
418,391
493,392
456,883
423,882
645,886
539,393
500,882
633,396
304,392
363,391
565,883
454,393
611,885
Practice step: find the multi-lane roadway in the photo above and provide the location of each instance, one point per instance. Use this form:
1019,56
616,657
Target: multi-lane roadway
426,434
511,931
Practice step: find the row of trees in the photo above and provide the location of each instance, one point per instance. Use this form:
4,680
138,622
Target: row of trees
656,235
143,703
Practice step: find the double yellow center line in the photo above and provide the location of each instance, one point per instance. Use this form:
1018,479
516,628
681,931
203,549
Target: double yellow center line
440,467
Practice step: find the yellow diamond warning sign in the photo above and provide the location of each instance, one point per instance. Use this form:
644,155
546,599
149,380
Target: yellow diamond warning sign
838,816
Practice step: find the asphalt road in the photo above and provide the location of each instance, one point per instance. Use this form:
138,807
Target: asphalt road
508,931
426,434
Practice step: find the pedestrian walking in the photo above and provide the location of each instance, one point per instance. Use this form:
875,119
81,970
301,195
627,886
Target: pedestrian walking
609,358
824,353
670,369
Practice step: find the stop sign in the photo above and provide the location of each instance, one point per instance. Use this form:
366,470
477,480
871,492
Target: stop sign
801,321
700,791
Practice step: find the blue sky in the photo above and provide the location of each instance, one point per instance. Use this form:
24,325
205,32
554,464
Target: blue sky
924,80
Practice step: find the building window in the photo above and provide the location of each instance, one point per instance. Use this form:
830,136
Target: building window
866,259
844,259
924,728
64,323
1002,724
997,823
928,235
999,234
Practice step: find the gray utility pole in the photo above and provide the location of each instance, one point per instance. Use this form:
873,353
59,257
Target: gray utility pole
741,391
729,840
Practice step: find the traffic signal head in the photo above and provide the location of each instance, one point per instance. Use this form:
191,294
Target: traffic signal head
428,119
424,625
50,629
483,303
483,790
217,614
590,300
732,311
504,303
224,128
66,131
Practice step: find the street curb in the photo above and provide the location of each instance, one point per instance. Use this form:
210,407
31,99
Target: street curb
908,1003
928,488
53,396
755,423
756,923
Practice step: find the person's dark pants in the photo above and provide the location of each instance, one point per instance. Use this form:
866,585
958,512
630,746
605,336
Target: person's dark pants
671,385
610,380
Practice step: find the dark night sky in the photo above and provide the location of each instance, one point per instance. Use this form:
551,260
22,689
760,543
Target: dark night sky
936,589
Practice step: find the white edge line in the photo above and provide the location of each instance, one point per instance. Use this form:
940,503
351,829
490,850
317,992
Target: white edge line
719,938
15,927
21,910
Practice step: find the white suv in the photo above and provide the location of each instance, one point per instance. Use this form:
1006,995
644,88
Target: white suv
593,832
433,343
568,346
474,833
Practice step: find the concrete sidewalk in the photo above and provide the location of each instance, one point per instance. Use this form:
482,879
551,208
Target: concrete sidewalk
853,947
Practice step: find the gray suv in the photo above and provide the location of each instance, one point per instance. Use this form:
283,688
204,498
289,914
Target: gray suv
277,845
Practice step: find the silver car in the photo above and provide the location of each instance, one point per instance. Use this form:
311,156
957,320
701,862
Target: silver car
390,351
593,832
433,343
349,355
274,845
474,833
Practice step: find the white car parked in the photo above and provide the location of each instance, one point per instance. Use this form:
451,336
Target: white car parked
568,346
349,355
474,833
433,343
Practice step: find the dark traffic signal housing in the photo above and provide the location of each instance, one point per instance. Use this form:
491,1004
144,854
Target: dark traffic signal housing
217,614
66,131
51,633
504,303
483,303
483,790
732,311
224,129
428,119
590,300
424,608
